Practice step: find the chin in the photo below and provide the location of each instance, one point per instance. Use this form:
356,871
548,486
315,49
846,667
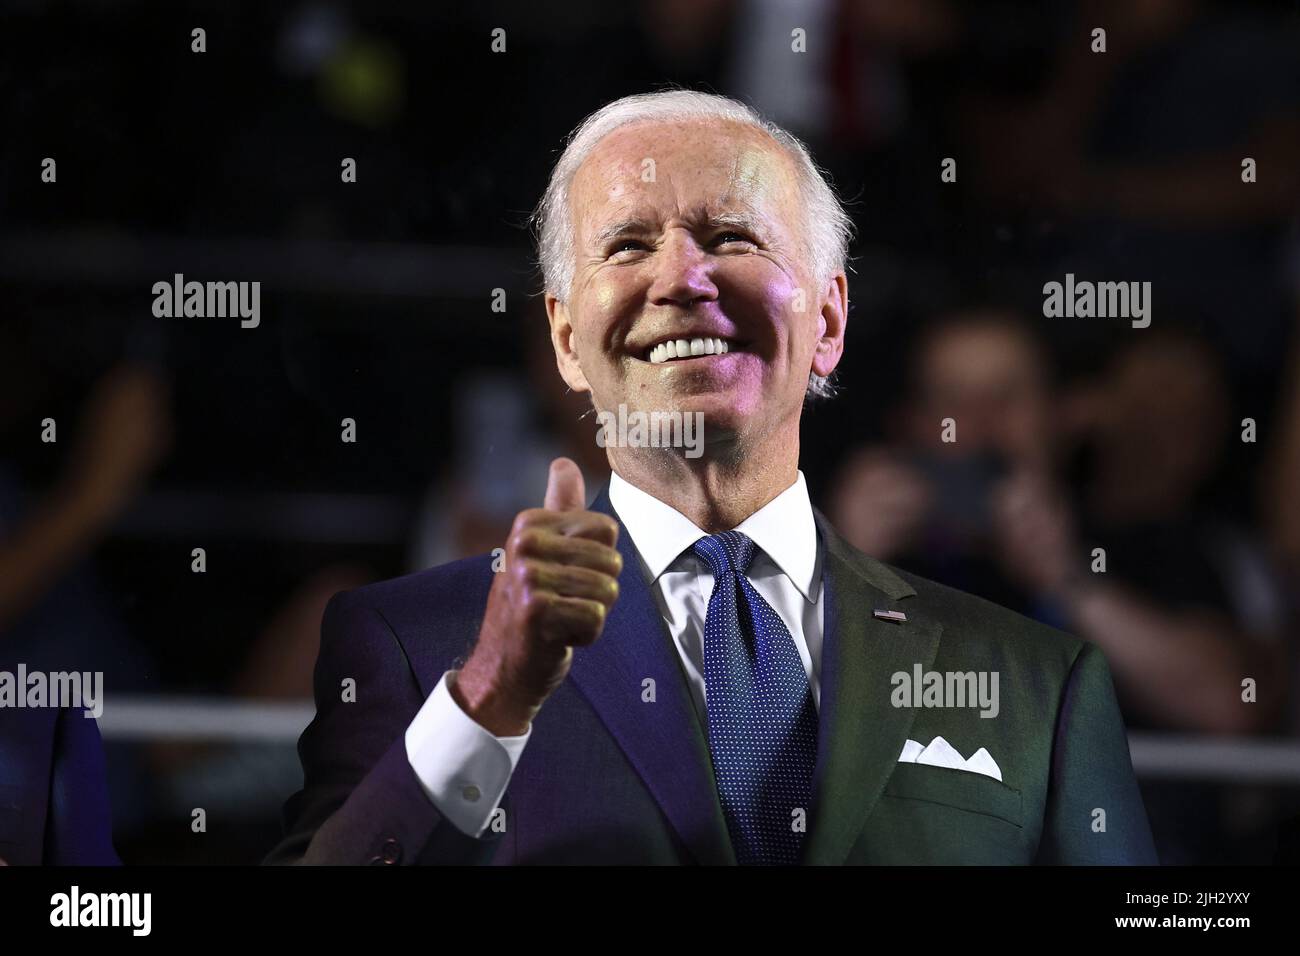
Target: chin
724,413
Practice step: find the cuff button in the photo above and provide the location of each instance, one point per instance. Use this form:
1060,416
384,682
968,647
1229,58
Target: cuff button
389,853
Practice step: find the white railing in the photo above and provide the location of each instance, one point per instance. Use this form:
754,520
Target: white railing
222,720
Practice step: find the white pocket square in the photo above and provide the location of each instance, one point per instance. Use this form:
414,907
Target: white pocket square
940,753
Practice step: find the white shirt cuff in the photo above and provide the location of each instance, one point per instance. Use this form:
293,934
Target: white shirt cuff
463,767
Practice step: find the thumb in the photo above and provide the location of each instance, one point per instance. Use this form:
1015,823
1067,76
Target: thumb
564,488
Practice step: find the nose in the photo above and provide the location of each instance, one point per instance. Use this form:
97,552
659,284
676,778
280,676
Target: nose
683,272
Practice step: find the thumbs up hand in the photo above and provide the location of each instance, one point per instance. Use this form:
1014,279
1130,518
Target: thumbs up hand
559,581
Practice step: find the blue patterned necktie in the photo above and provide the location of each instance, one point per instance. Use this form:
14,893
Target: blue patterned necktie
762,723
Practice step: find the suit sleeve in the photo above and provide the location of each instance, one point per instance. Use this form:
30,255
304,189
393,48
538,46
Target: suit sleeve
79,826
1091,772
361,801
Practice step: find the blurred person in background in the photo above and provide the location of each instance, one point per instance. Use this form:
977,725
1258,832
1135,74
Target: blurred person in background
1187,607
54,613
928,503
1190,607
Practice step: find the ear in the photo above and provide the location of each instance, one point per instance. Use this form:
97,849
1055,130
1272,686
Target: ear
831,324
562,340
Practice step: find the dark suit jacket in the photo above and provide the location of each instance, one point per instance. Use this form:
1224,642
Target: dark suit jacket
609,778
53,791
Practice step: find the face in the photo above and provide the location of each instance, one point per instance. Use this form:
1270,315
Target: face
693,233
990,380
1162,418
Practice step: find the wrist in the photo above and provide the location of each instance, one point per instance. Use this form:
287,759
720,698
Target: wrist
488,706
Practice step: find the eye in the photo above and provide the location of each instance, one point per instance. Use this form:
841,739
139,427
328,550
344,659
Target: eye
730,237
624,245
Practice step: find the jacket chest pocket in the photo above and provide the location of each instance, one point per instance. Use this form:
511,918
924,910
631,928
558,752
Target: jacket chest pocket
960,789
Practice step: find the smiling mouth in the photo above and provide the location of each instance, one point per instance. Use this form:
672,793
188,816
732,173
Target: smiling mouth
676,349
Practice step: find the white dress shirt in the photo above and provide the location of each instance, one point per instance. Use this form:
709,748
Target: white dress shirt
464,768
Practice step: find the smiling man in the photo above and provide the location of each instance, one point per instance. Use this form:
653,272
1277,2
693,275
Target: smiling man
696,668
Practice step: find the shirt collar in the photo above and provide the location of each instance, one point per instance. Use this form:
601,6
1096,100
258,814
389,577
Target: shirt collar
783,528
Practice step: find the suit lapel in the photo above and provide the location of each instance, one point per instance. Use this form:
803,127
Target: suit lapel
860,734
663,740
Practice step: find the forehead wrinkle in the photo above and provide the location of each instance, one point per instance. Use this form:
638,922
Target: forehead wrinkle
746,166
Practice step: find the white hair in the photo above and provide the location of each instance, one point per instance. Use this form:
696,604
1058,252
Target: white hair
827,227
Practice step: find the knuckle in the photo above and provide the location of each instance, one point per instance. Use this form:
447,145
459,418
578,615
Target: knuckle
530,573
534,518
526,540
591,619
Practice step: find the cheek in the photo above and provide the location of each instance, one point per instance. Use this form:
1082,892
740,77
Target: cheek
791,308
604,295
605,301
761,287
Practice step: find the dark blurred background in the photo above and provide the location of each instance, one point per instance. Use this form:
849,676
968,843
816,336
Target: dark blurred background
377,305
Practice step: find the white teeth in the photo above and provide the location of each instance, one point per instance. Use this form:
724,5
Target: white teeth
683,348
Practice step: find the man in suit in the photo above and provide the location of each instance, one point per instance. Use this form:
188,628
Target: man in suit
54,806
696,668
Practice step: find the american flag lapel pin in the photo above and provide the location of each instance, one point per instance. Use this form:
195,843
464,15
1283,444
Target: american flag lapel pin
898,617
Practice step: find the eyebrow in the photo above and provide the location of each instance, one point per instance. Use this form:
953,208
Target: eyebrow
621,227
